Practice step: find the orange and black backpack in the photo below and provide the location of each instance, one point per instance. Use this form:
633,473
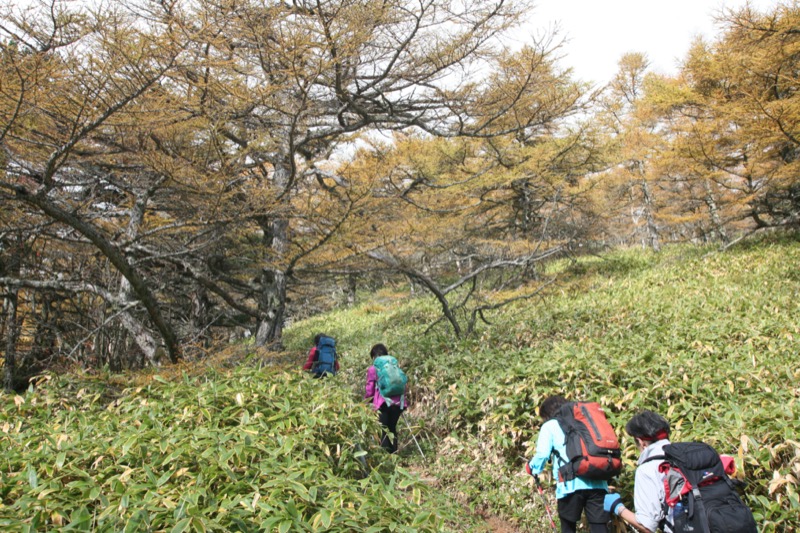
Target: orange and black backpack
593,450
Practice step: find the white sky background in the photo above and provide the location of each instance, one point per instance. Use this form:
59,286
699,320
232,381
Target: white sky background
599,32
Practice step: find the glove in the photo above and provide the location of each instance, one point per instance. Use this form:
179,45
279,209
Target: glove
613,504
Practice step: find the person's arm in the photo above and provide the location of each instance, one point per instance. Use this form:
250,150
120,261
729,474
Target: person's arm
648,497
647,502
369,388
630,518
613,504
544,448
312,355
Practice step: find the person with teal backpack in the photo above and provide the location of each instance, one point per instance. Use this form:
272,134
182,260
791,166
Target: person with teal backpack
386,390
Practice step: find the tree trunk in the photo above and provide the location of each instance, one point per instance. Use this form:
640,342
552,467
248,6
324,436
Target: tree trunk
143,338
713,209
12,333
524,208
47,310
199,316
652,229
272,307
115,256
10,304
272,302
427,282
352,281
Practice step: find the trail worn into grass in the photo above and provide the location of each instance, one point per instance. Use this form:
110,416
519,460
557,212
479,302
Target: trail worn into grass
484,523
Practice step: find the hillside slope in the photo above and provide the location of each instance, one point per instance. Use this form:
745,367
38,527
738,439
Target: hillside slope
708,339
250,443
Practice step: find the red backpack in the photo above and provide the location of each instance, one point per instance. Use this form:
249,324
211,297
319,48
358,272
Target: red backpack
593,450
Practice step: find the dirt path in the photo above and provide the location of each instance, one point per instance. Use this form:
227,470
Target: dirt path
498,525
492,524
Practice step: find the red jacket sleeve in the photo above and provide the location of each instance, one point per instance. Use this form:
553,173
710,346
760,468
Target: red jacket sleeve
312,356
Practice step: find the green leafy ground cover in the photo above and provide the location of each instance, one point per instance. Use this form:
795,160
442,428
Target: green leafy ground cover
709,340
249,450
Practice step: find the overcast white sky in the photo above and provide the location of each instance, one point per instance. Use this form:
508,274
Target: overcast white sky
599,32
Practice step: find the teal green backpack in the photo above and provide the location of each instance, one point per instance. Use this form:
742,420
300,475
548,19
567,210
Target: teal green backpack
391,379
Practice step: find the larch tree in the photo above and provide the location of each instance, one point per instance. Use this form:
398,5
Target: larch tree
170,159
311,74
72,78
697,195
468,219
637,137
747,85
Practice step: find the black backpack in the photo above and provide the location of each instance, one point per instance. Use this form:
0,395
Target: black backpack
703,497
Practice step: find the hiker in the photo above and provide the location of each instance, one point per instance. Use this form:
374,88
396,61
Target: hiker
384,373
574,496
322,360
651,433
699,466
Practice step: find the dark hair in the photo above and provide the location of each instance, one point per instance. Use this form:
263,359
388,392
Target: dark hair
647,425
551,405
378,350
317,338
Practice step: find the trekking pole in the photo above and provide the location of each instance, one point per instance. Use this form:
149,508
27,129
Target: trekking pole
412,436
616,520
627,526
546,505
541,495
362,460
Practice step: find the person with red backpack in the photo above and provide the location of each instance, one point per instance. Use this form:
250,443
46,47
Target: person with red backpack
581,487
386,390
651,433
322,360
680,487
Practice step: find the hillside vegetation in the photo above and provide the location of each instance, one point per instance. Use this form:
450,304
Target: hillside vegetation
708,339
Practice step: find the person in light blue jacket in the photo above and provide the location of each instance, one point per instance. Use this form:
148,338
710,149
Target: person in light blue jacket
575,496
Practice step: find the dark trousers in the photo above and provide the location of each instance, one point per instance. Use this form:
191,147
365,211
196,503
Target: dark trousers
388,416
588,501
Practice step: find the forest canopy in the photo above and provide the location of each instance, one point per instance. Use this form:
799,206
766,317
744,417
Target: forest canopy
176,173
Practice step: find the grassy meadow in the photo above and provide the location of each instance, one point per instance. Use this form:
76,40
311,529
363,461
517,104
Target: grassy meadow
249,443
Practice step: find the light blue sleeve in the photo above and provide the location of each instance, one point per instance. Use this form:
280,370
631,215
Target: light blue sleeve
551,438
544,447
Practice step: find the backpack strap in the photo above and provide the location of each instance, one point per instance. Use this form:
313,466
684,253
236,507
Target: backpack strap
389,402
700,508
664,524
554,452
565,469
557,455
